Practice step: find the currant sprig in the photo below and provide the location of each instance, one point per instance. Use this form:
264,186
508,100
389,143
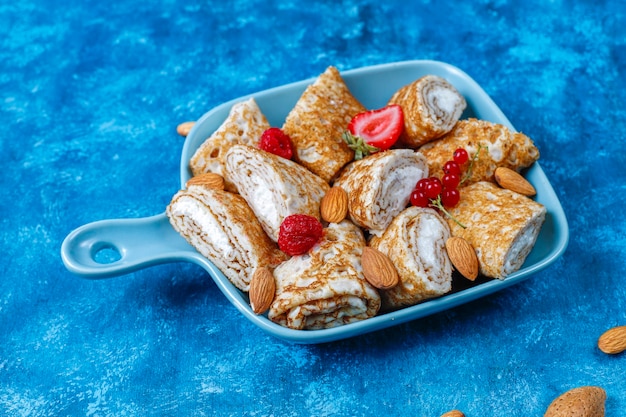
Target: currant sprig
430,192
437,203
469,171
444,193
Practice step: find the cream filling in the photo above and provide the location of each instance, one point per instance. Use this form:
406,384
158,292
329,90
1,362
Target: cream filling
394,195
519,249
263,204
444,99
397,186
445,106
429,244
208,224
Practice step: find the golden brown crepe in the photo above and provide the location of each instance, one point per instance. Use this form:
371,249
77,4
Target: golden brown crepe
415,242
500,147
325,287
244,125
317,122
222,227
273,186
431,107
379,186
501,225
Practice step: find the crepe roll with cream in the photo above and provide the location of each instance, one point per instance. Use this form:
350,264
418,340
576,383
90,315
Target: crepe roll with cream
318,120
325,288
500,224
415,243
431,106
500,146
379,186
222,227
273,186
244,125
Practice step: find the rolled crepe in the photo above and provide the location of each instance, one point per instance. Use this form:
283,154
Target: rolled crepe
501,225
325,288
274,187
431,106
415,243
379,186
500,146
244,125
222,227
317,122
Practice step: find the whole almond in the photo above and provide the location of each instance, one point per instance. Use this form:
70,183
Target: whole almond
463,257
378,269
613,341
578,402
512,180
209,179
184,128
262,290
334,205
453,413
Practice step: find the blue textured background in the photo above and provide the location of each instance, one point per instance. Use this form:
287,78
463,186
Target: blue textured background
91,93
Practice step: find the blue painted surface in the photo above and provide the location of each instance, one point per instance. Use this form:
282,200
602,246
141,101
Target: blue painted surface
91,95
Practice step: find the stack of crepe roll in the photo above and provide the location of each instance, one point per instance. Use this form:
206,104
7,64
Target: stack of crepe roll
223,228
379,187
325,288
237,226
245,125
431,105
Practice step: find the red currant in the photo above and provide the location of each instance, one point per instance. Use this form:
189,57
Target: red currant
452,167
450,180
450,197
421,184
460,156
419,199
433,188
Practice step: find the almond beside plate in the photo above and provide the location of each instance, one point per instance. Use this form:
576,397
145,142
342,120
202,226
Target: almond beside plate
145,242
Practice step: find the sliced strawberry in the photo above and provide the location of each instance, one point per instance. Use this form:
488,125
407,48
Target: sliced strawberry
377,129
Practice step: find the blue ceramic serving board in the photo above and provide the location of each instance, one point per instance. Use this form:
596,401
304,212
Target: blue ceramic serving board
140,243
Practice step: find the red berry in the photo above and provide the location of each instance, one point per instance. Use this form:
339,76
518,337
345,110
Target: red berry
452,167
433,187
275,141
380,128
298,233
460,156
419,199
450,197
421,184
450,180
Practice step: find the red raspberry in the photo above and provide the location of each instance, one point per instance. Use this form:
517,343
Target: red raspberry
275,141
298,233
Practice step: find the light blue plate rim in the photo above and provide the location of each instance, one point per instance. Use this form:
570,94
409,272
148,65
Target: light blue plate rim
150,241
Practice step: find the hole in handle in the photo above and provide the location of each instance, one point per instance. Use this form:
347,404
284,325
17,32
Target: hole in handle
105,254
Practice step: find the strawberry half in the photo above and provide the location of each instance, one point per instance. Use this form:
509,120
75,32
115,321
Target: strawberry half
374,130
